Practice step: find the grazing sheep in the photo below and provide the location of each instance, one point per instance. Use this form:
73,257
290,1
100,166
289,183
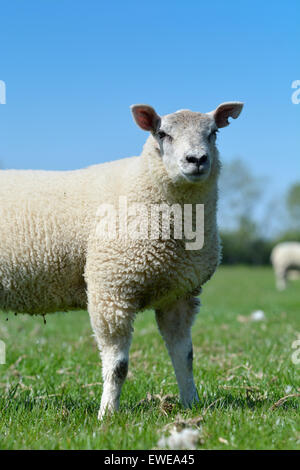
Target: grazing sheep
285,257
53,256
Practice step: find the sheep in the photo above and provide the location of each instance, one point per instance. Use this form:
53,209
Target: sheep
284,257
54,257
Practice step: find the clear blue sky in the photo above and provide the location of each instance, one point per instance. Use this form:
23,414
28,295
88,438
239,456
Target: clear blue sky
72,68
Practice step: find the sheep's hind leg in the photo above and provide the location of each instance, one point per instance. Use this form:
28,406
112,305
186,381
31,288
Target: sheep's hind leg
175,326
114,344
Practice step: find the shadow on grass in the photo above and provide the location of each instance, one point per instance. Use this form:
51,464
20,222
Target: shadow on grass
218,401
90,406
251,401
31,403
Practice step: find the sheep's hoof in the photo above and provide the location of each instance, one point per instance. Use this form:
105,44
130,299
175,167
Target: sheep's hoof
102,414
189,403
105,411
281,287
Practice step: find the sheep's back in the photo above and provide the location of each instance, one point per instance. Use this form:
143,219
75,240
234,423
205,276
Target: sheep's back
287,254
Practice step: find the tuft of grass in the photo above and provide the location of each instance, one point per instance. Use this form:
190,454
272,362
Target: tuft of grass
50,387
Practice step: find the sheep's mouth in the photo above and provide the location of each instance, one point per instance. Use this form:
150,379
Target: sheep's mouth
197,175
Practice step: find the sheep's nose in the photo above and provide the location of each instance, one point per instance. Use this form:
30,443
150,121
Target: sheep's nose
197,160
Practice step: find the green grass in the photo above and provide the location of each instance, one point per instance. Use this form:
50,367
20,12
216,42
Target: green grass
50,387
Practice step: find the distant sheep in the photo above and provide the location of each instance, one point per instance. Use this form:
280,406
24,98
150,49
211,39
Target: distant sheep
285,257
53,256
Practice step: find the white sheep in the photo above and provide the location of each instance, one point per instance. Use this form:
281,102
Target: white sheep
285,257
54,254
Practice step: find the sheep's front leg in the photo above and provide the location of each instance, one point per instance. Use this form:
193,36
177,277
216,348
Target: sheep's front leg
175,326
115,359
281,278
114,339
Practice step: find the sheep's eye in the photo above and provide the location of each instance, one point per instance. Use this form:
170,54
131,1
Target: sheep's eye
212,135
162,134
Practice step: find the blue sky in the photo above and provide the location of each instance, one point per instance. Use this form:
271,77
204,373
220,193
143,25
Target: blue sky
72,68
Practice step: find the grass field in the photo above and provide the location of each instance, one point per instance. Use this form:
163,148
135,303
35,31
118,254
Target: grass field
50,387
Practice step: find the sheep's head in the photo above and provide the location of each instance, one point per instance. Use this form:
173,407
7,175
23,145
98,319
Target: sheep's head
186,140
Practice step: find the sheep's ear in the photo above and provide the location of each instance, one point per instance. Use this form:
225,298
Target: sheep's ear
145,117
226,110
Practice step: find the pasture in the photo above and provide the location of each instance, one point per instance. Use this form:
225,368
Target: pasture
50,386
